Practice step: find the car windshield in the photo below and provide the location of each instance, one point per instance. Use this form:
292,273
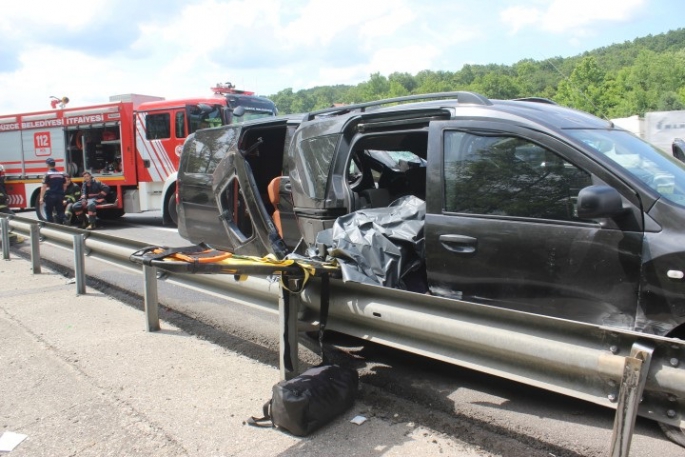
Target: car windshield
650,165
254,108
203,116
251,115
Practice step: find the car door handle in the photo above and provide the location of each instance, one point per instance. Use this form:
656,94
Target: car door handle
459,244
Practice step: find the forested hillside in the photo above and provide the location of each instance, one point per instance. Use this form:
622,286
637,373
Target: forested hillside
646,74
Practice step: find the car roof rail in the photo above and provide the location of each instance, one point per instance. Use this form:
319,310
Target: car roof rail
536,100
461,96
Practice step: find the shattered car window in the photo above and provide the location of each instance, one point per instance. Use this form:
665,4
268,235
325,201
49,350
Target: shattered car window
397,160
314,156
205,156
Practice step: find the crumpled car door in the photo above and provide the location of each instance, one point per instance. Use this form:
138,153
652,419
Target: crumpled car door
246,221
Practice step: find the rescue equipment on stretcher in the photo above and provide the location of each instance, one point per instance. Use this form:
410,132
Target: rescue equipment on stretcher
201,259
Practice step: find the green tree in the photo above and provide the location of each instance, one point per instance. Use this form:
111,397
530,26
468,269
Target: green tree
397,89
647,74
377,87
303,103
669,101
536,78
464,77
584,88
617,104
284,100
405,80
431,81
499,86
643,85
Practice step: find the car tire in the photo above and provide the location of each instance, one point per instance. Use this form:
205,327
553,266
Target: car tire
171,214
40,211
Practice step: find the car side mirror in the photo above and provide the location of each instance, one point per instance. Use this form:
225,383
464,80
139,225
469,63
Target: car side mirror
678,147
599,202
239,111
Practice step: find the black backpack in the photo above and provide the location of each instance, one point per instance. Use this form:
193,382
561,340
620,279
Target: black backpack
310,400
306,402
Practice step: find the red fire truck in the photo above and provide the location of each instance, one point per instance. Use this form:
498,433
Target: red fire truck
132,143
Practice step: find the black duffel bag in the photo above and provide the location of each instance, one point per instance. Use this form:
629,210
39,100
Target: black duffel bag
308,401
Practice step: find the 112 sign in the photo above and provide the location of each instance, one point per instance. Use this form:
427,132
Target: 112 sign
42,143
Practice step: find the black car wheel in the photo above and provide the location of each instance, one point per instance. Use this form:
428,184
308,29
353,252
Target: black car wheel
40,211
171,210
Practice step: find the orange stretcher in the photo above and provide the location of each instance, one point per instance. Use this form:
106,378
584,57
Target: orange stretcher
202,260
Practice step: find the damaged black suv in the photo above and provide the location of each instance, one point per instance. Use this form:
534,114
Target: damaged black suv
521,204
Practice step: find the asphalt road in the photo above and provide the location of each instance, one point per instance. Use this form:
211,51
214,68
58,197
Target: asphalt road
495,416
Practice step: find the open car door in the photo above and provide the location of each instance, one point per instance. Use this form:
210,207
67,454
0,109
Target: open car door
240,188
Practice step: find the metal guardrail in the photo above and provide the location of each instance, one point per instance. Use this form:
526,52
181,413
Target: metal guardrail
634,373
118,250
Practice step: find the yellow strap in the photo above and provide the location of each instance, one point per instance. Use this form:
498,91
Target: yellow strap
304,281
236,261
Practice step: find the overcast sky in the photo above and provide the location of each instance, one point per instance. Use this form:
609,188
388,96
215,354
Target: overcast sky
88,50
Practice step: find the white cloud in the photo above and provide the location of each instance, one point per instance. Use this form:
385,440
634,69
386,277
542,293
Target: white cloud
331,76
410,59
395,21
19,18
562,16
320,22
90,49
190,31
45,69
519,17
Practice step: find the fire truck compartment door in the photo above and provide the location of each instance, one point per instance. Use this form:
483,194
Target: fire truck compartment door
12,155
38,145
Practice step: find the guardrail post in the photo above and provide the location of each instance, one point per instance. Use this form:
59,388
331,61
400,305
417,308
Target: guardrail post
5,225
151,298
79,264
287,318
34,231
632,385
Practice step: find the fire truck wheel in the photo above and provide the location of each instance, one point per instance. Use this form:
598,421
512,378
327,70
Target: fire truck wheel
40,211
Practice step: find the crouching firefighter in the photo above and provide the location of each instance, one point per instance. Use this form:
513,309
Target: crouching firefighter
92,193
72,194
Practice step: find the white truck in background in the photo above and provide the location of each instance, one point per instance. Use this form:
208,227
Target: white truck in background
660,128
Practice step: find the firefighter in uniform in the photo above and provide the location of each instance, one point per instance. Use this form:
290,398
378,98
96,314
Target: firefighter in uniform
92,193
72,194
52,193
4,204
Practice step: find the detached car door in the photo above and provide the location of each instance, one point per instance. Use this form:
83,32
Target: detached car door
223,185
241,184
502,227
199,218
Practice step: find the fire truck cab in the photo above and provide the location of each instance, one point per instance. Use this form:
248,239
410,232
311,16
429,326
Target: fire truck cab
132,144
